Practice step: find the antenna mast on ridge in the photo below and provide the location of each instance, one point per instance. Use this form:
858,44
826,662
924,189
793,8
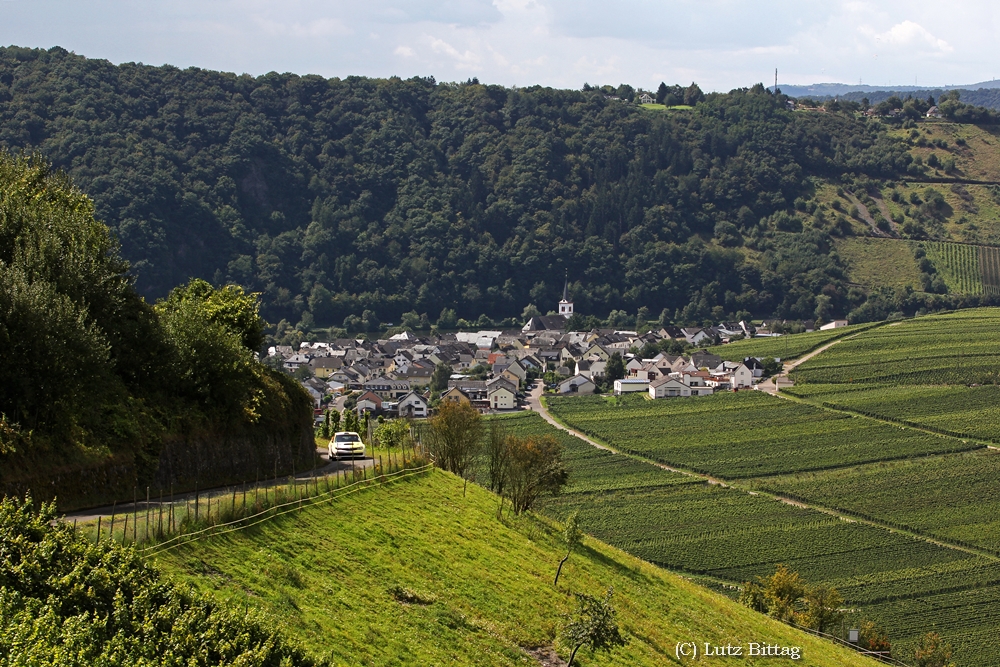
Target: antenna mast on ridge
775,80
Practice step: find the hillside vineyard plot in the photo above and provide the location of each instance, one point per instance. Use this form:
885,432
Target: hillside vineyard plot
743,435
682,523
958,266
954,348
989,265
594,470
953,498
784,347
956,410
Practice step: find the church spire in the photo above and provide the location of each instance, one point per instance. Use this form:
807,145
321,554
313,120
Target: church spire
566,306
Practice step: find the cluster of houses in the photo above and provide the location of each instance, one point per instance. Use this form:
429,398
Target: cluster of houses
490,368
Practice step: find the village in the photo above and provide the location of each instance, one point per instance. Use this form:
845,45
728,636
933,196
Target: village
405,375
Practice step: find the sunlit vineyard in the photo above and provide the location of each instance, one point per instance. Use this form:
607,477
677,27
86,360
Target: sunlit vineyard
730,535
914,373
953,497
592,469
743,435
954,348
989,265
964,412
957,264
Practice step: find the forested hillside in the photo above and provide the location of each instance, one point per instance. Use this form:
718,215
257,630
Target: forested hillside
101,392
335,197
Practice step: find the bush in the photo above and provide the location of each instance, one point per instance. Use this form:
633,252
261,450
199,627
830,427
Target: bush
66,601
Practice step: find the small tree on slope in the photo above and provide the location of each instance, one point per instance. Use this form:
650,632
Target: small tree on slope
594,625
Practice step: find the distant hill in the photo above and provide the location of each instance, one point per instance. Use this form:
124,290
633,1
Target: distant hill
834,89
985,94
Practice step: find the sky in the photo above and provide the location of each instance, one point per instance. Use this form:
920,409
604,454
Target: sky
720,44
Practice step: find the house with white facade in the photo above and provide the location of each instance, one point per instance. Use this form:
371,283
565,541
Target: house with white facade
630,385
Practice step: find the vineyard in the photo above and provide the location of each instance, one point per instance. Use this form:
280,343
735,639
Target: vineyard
959,411
939,485
785,347
989,265
744,435
957,264
953,498
953,348
592,469
907,585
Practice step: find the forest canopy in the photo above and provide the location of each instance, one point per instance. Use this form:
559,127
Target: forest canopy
336,198
90,368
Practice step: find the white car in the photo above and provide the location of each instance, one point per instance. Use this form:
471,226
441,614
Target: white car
346,444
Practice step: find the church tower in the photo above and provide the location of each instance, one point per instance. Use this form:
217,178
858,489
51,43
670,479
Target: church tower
566,306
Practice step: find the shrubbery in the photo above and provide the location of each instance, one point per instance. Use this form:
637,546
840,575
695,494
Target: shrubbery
67,602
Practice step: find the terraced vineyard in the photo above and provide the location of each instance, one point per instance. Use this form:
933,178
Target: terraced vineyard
905,584
958,266
953,498
964,412
743,435
953,348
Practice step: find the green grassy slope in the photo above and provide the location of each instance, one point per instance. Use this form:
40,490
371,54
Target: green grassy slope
877,262
325,575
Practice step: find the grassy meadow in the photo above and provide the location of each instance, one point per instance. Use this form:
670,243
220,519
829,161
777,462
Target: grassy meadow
422,572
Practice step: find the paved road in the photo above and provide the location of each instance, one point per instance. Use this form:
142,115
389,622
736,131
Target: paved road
328,468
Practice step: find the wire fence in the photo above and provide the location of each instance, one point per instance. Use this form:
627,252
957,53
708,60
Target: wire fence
881,656
166,524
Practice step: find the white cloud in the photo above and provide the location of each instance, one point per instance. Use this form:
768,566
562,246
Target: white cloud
464,58
404,51
908,34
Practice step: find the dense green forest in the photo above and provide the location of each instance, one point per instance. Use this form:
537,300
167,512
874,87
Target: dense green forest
332,197
95,376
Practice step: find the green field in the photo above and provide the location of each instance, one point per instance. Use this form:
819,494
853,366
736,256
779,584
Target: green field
784,347
744,435
952,348
879,262
423,573
730,535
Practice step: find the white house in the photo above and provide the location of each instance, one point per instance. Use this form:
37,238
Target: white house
836,324
629,385
578,384
502,398
645,98
668,387
413,405
742,377
369,402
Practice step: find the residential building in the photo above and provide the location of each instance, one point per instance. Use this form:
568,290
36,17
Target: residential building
630,385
